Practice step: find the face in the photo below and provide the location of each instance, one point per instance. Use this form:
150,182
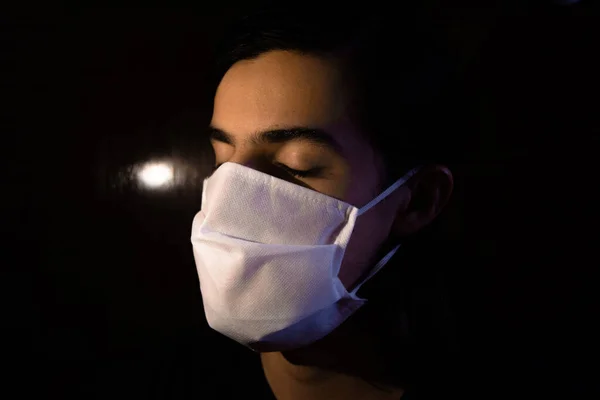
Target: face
286,114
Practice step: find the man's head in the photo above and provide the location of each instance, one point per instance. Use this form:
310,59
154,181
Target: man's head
331,105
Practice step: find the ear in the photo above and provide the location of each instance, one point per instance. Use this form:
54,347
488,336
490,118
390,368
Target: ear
430,189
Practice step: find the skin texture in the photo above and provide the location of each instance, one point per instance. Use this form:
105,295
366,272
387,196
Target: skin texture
284,90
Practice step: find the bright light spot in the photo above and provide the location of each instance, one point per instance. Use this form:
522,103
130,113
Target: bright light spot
156,175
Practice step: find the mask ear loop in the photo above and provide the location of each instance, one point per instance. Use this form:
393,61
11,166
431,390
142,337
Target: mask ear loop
389,190
376,269
366,208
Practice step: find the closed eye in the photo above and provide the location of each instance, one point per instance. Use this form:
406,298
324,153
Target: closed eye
299,173
294,172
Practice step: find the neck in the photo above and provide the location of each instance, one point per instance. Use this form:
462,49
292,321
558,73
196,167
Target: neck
291,382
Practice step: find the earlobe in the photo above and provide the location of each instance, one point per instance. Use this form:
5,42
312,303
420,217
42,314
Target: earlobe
430,189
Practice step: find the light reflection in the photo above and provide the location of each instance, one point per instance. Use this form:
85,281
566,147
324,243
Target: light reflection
172,174
156,175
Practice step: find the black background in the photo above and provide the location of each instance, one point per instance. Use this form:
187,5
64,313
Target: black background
104,299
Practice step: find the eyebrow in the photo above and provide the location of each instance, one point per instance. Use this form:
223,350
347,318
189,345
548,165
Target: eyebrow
314,135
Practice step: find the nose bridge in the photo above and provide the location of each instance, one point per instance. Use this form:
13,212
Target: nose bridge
251,158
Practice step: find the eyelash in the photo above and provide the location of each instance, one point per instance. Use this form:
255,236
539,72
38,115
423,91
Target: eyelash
294,172
300,174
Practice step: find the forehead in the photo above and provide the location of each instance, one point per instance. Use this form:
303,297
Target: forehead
279,89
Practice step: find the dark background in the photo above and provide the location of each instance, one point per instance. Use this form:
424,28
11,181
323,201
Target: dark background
102,296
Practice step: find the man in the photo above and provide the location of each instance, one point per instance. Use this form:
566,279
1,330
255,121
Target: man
327,159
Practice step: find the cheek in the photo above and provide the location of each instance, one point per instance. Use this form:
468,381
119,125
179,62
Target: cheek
336,188
363,179
363,167
354,183
362,187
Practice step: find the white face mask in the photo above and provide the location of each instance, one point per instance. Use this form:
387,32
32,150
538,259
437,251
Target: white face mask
268,253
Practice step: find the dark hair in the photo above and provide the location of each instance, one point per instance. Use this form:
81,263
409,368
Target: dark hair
396,65
401,81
